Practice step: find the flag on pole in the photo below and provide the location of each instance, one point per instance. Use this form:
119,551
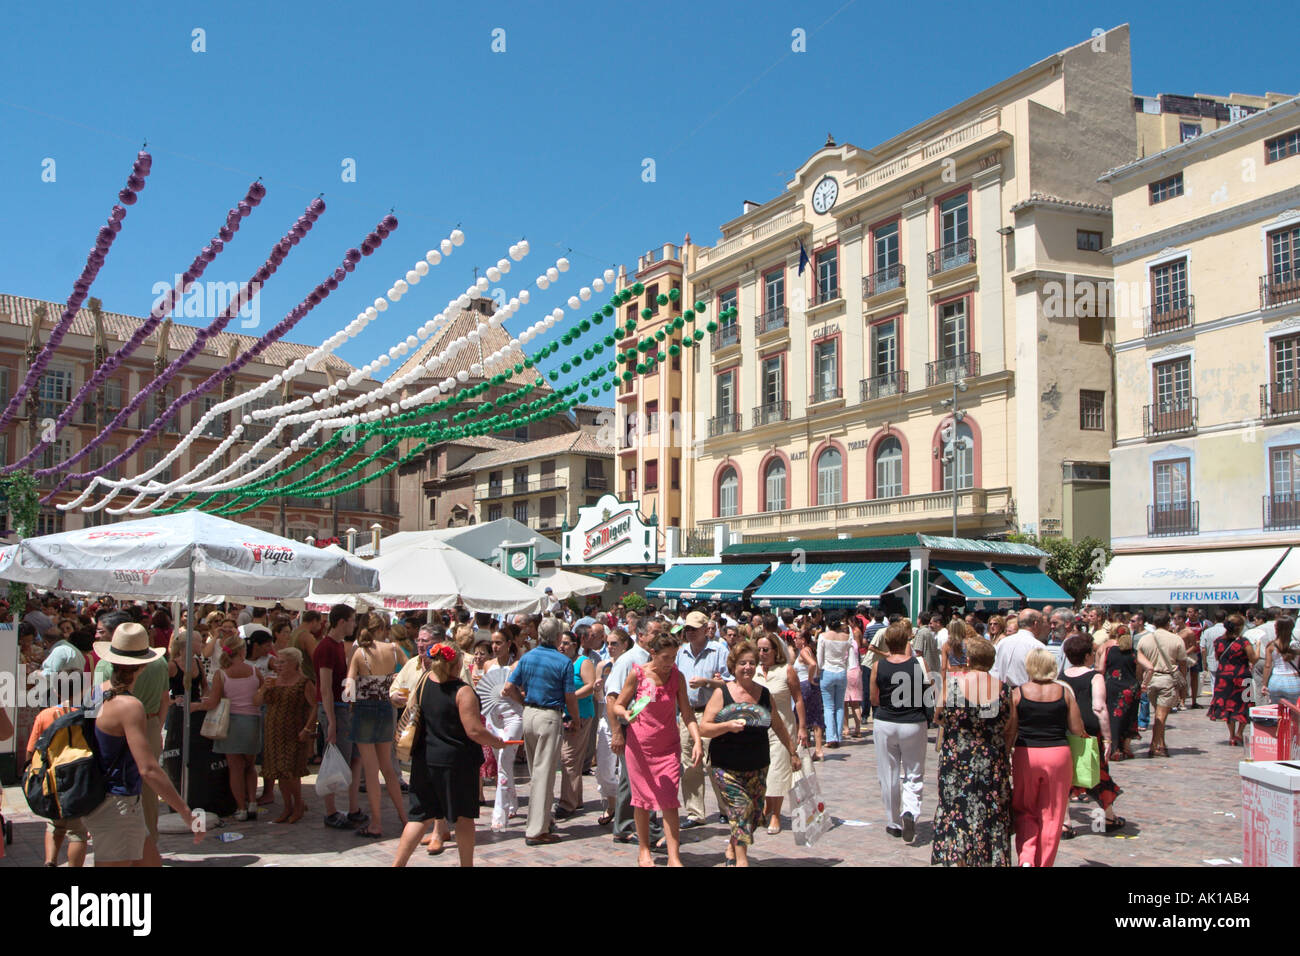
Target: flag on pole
803,257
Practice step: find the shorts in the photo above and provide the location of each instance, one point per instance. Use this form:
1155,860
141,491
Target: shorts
372,722
1162,692
244,736
117,827
342,728
74,828
443,793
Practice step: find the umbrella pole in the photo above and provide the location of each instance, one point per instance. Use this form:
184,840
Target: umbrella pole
185,683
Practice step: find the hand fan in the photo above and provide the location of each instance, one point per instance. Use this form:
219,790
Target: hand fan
753,715
638,705
491,701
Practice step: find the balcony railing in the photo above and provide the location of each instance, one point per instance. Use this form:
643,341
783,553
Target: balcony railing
726,335
825,293
1170,315
791,219
509,489
826,394
881,386
595,483
1280,287
1279,400
1175,417
912,511
1183,517
884,280
951,256
652,423
772,320
963,365
771,412
724,425
1281,512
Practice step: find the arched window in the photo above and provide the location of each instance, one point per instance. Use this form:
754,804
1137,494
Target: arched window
889,469
728,494
963,461
829,477
774,486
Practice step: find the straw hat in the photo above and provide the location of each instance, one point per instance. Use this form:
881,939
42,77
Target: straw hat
130,645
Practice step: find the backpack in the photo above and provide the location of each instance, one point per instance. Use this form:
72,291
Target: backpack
65,778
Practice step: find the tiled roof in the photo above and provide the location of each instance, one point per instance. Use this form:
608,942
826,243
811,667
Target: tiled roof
490,340
118,328
1046,199
572,443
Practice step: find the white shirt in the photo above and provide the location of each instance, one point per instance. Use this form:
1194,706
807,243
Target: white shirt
245,617
941,637
1208,637
836,655
1009,665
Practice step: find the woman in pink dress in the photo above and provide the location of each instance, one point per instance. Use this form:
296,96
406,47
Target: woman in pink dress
653,750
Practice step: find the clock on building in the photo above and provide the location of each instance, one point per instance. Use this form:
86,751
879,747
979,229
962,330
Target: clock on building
824,196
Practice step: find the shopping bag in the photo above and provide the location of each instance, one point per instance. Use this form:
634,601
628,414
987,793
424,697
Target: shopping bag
1086,757
217,724
335,776
808,812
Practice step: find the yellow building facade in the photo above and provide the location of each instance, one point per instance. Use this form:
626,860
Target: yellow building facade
953,261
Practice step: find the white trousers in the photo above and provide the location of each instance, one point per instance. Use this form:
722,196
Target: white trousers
900,766
606,762
510,726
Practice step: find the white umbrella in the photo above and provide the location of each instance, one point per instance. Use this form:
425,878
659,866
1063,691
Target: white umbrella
433,575
173,556
567,584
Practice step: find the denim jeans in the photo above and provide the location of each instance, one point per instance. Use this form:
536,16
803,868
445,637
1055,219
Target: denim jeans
1144,712
833,685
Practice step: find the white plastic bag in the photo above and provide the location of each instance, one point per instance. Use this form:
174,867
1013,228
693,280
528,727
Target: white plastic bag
808,813
335,776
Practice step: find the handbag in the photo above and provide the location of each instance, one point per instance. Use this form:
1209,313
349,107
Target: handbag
408,725
217,723
1086,757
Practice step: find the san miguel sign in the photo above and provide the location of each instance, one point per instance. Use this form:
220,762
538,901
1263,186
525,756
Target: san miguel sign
611,532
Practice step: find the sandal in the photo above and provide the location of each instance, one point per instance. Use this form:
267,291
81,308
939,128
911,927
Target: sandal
605,819
1067,833
1117,824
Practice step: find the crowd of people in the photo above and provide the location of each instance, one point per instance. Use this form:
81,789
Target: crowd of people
659,707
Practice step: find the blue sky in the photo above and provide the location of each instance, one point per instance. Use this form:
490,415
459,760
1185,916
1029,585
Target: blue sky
545,140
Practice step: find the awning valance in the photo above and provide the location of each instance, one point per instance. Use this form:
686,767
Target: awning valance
827,585
980,586
1034,584
705,582
1186,577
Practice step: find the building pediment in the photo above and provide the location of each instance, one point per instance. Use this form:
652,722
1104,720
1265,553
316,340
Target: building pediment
844,161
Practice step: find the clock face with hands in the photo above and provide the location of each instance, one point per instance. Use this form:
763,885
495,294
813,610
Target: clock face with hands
824,196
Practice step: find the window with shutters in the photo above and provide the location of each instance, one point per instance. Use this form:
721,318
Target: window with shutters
830,477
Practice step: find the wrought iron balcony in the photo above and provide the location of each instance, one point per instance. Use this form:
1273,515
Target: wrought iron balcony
826,394
1170,315
772,320
1176,417
1183,517
726,335
596,482
1281,512
963,365
1279,400
951,256
771,412
881,386
884,280
1279,287
724,425
825,293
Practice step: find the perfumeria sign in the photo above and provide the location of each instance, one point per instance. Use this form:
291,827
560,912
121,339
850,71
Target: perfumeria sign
611,532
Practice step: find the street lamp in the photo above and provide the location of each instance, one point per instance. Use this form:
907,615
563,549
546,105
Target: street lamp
954,443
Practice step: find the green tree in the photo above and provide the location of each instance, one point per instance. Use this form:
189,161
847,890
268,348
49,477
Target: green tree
1074,565
24,504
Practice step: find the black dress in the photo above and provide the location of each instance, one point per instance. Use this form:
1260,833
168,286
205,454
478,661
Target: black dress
1120,673
209,773
444,761
1106,789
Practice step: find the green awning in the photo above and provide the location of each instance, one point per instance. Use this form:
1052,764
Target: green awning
827,585
980,586
706,582
1035,585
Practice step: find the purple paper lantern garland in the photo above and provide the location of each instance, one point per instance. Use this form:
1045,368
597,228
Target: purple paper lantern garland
268,268
81,288
156,316
294,316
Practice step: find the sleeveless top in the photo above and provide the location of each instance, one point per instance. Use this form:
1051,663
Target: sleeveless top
445,742
586,705
901,692
121,775
801,669
373,687
1042,723
746,749
1082,687
240,690
957,658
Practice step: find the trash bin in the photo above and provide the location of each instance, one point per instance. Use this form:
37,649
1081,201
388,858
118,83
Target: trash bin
1270,801
1271,733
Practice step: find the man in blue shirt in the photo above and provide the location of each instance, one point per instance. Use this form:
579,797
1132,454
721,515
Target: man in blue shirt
543,682
703,665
